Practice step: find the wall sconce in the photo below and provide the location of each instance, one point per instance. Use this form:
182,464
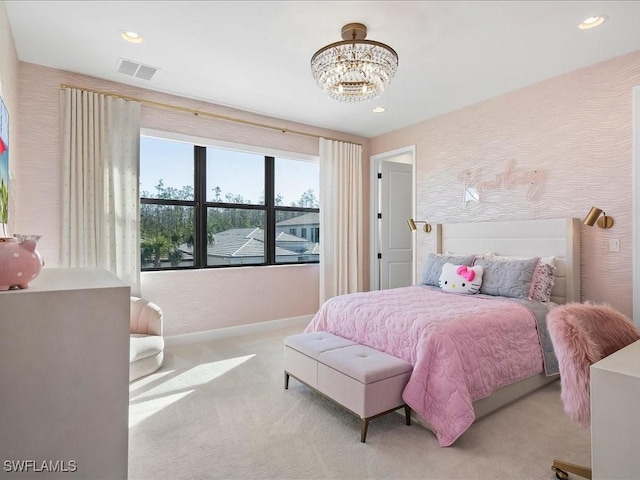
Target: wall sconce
413,228
594,216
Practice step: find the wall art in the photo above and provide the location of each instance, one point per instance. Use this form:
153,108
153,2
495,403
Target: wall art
4,169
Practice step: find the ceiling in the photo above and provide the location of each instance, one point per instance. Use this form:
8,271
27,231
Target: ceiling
254,55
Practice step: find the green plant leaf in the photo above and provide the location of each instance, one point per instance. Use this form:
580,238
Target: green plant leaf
4,202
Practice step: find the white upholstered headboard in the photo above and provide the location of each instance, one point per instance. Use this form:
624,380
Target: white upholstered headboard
558,238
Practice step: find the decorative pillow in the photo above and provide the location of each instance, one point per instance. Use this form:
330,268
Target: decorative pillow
543,276
461,278
507,278
542,283
494,256
484,255
435,261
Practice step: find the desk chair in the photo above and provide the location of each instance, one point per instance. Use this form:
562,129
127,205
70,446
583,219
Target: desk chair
582,334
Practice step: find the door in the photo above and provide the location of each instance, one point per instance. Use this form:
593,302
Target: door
395,207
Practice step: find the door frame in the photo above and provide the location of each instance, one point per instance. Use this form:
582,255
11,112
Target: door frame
374,234
636,205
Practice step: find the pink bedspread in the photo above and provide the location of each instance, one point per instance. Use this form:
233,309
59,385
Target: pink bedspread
462,347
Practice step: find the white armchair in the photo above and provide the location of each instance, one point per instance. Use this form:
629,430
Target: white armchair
147,345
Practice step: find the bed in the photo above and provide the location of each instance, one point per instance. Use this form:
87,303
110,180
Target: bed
473,353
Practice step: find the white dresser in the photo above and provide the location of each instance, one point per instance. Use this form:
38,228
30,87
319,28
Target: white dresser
615,415
64,376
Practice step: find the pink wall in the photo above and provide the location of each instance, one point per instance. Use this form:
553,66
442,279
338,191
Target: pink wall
574,131
191,301
568,140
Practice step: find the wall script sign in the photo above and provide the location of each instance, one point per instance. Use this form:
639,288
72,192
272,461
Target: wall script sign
510,178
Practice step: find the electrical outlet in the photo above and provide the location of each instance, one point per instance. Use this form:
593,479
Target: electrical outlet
614,245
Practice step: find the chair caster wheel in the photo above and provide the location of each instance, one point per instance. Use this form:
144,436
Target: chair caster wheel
560,474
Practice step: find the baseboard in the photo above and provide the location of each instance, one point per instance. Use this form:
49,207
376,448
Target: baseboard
227,332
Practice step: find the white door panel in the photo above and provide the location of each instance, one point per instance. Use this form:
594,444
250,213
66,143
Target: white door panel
398,273
395,236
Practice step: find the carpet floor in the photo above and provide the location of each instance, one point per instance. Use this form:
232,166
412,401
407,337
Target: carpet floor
218,410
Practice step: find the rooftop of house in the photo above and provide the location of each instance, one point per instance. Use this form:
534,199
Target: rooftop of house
249,242
311,218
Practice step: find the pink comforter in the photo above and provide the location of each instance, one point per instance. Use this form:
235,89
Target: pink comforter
462,347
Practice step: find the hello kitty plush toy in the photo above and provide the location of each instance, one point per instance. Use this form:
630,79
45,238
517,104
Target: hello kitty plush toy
461,278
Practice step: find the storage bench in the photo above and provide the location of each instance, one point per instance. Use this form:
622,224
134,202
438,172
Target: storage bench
363,380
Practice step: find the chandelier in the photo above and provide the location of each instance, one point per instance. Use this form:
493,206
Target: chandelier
354,69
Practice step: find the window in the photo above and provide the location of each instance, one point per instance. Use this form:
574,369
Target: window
204,206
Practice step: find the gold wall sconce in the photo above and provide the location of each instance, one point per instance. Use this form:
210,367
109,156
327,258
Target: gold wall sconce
596,215
413,228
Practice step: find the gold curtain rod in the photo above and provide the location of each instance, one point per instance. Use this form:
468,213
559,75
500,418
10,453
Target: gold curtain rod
201,112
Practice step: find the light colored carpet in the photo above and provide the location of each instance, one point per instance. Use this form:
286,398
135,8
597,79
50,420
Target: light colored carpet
218,410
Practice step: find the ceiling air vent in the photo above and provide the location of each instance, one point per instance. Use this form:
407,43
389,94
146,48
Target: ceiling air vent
135,69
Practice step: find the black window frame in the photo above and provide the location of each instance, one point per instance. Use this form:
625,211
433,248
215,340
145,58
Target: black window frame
201,206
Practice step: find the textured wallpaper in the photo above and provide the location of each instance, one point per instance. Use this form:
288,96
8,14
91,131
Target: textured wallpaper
553,149
192,301
550,150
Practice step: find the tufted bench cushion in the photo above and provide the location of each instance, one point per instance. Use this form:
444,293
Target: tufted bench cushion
301,354
364,380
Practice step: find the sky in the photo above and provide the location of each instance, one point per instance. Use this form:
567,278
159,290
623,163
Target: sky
173,163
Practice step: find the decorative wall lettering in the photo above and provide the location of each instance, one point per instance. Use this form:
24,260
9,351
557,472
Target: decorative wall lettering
510,178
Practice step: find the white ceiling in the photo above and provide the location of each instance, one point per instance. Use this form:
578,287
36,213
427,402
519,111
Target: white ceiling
254,55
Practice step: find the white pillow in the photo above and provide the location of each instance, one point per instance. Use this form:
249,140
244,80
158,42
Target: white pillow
453,254
546,260
434,262
461,278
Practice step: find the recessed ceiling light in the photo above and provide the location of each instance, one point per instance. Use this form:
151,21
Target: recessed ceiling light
131,37
379,110
592,22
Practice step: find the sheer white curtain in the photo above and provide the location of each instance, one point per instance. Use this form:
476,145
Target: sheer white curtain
341,219
100,217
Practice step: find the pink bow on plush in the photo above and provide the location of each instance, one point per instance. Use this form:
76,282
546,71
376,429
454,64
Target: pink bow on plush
465,272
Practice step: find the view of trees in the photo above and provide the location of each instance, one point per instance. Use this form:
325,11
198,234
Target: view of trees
164,228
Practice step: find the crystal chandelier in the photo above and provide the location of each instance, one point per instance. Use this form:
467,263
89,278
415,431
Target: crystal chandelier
354,69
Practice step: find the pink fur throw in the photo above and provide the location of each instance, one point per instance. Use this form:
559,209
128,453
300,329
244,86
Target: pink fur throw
582,334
